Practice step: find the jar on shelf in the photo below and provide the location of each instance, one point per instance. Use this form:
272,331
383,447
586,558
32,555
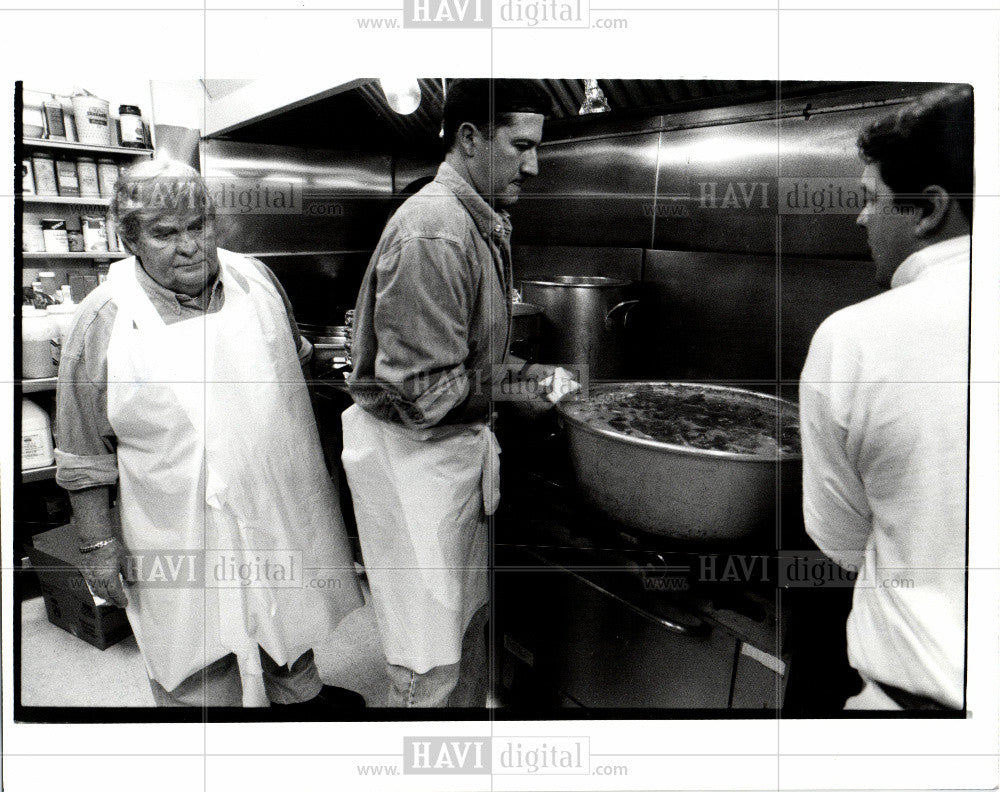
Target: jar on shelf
86,172
107,175
74,235
54,121
92,122
66,177
44,168
130,124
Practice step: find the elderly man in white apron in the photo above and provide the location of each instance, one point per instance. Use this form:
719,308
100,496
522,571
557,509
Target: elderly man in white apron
432,320
182,383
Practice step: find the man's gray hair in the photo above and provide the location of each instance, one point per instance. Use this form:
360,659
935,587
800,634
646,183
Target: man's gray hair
154,188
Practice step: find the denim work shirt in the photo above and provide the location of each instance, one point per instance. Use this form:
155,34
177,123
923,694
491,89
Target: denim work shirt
434,312
86,445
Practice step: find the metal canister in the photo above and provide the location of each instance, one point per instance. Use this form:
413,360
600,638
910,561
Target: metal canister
95,235
107,175
45,173
86,171
54,234
66,177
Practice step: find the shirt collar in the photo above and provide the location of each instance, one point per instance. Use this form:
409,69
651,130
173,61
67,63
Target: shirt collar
172,298
951,251
489,221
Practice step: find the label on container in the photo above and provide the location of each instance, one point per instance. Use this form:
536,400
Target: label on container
107,175
34,450
131,128
86,171
54,234
54,119
95,236
66,176
45,175
56,351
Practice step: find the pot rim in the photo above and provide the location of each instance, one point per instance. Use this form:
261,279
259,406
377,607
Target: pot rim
673,448
526,309
578,281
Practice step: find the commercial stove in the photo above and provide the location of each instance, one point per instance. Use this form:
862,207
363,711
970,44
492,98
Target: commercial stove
590,613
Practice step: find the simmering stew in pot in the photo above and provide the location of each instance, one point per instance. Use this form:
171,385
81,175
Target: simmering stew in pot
693,416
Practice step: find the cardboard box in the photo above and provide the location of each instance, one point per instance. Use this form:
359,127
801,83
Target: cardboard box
69,603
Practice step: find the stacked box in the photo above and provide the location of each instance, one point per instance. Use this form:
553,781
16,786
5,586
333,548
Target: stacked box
69,603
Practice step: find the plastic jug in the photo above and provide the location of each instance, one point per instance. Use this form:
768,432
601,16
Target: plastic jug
37,331
36,437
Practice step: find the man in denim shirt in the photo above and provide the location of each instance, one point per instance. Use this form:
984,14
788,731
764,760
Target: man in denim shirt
433,318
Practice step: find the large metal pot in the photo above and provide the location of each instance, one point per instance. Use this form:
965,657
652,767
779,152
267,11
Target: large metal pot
584,321
682,492
525,329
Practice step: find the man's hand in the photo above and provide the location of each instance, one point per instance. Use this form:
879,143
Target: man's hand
103,570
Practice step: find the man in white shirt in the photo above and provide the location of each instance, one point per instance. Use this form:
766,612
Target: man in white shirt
884,401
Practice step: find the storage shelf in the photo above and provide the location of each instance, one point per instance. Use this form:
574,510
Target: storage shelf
84,148
79,200
37,385
99,255
38,474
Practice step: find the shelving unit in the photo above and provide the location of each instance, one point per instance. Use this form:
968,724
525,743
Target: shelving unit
38,474
38,385
36,203
84,148
72,200
100,255
35,200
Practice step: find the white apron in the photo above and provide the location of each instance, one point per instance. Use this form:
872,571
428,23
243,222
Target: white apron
421,500
218,452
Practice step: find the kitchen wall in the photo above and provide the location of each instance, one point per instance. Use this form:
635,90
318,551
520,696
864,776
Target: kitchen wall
711,212
706,210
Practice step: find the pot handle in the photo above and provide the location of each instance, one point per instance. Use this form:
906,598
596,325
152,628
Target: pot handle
625,307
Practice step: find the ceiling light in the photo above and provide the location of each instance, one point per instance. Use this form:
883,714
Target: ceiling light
402,93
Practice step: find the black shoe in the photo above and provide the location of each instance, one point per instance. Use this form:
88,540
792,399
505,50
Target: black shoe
328,698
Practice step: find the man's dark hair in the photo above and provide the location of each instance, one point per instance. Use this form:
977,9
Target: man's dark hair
488,104
928,141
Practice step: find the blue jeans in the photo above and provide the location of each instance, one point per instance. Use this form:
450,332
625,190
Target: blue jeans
461,684
218,684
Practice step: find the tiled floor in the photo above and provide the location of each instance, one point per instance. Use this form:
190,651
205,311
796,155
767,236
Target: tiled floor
60,670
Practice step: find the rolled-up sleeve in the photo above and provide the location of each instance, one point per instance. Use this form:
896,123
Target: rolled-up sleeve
85,442
423,307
